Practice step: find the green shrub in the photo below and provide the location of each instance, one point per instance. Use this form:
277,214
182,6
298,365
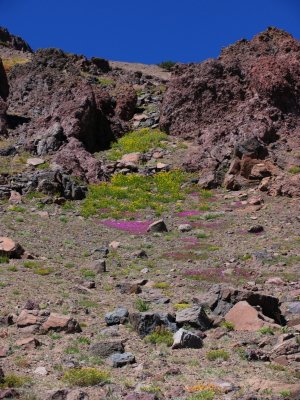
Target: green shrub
85,376
266,330
161,285
203,395
181,306
213,355
139,141
4,260
87,273
294,170
15,381
160,336
227,325
167,65
141,305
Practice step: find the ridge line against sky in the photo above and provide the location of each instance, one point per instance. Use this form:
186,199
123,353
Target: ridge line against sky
147,32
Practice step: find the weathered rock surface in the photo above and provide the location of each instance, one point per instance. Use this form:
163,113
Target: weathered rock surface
242,110
10,248
185,339
147,322
195,317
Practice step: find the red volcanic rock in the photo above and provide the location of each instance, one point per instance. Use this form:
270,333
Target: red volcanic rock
242,110
73,115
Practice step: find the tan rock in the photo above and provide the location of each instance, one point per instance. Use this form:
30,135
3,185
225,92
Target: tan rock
10,248
26,318
28,343
35,161
131,158
59,322
15,198
244,317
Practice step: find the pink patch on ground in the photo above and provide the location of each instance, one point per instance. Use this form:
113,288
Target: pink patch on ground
134,227
190,242
189,213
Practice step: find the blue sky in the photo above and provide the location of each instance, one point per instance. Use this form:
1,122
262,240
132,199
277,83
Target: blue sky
147,31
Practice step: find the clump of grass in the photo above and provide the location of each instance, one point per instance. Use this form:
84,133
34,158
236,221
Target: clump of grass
213,355
181,306
167,65
43,271
227,325
266,330
18,209
84,340
160,336
161,285
105,81
85,377
139,141
141,305
285,394
15,381
31,264
88,273
203,395
294,170
202,235
154,389
133,192
4,260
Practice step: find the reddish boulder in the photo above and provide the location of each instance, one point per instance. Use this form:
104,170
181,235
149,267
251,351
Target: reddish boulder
60,323
245,317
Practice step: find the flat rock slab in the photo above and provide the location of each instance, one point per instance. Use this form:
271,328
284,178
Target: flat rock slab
10,248
106,348
118,360
184,339
35,161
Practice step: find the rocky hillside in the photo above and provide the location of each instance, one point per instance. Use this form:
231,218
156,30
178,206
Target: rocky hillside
141,254
242,111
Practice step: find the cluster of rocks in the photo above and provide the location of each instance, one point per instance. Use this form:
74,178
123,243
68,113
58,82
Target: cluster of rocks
242,111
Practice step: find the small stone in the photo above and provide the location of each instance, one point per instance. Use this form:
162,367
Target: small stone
184,339
185,227
99,266
158,226
15,198
4,350
275,281
35,161
133,158
118,360
40,371
118,316
106,348
145,270
256,229
114,245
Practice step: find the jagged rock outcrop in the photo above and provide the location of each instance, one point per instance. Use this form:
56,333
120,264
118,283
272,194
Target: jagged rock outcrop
4,90
242,110
15,42
68,115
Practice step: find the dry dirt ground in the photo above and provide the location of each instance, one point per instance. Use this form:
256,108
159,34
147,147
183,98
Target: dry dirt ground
180,268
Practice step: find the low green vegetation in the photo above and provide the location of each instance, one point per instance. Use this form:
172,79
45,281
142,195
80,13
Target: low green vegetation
104,81
15,381
213,355
167,65
130,193
160,336
139,141
294,170
161,285
227,325
4,260
141,305
203,395
85,377
266,330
